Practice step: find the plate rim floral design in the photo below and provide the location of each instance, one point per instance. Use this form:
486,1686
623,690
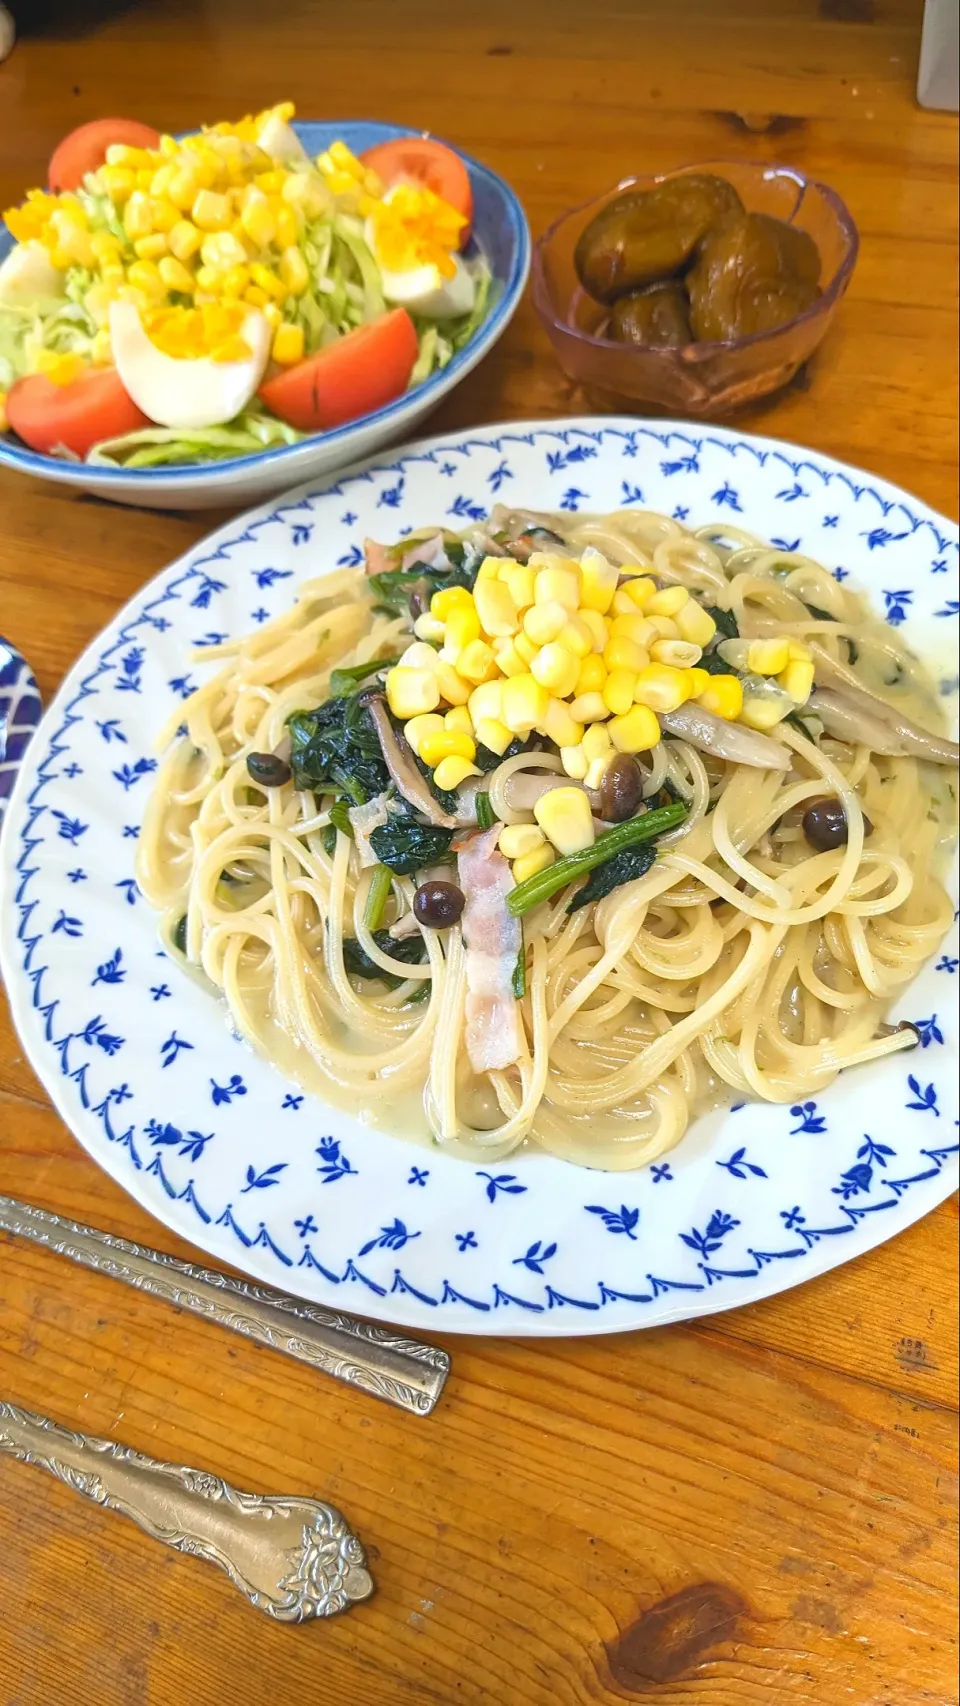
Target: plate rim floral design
375,1279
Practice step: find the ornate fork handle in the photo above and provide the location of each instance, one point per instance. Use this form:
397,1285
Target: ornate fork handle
403,1371
292,1558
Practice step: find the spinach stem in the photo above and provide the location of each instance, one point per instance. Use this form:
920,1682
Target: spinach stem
567,870
377,896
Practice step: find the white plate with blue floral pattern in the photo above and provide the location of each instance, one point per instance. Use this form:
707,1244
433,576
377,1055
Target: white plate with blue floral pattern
218,1146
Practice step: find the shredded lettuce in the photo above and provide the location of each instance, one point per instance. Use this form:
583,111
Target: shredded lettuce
159,447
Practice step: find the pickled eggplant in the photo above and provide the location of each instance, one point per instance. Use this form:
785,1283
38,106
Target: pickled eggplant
655,318
752,273
645,236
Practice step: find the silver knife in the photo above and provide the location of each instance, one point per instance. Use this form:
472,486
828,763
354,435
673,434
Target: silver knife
402,1371
291,1557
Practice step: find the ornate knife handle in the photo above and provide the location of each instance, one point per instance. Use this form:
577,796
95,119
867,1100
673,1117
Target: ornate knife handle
292,1558
403,1371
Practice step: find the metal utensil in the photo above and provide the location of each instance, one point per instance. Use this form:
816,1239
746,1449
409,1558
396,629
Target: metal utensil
402,1371
292,1558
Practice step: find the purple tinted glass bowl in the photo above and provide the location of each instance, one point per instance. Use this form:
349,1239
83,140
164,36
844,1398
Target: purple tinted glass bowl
708,379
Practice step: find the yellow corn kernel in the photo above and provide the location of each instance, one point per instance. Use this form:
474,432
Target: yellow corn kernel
723,695
559,726
662,688
257,219
419,655
525,703
184,240
161,179
118,182
419,728
800,652
633,627
797,680
493,734
596,770
519,579
211,211
208,278
623,605
575,761
271,312
443,602
598,582
287,345
668,602
593,674
138,216
487,700
165,216
123,154
234,282
532,863
105,245
625,654
460,720
288,226
509,659
61,369
516,839
495,608
641,590
182,187
618,689
450,772
695,624
565,817
144,177
699,679
544,621
139,298
411,692
768,657
476,662
596,741
150,248
222,249
448,743
666,627
577,636
490,568
526,647
232,348
589,708
762,712
556,668
175,275
293,270
557,586
453,688
598,626
272,181
101,350
682,654
636,731
258,298
463,627
143,275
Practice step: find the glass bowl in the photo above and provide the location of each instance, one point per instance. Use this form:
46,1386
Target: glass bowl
707,379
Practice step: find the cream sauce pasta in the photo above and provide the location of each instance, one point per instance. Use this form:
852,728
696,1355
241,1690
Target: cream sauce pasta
745,961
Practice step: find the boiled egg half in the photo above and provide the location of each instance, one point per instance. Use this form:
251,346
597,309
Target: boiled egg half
414,236
190,367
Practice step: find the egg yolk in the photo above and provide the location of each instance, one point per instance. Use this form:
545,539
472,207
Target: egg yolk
188,333
415,228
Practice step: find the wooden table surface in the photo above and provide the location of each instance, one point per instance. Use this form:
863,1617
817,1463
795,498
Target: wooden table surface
751,1510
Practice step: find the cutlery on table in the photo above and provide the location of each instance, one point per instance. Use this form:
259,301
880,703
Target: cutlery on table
293,1558
378,1361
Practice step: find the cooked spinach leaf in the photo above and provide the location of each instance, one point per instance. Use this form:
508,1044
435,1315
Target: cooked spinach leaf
179,936
392,589
624,867
336,747
714,664
725,620
488,760
412,950
821,615
349,678
406,846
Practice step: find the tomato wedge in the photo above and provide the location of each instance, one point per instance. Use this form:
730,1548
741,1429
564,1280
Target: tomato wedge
86,148
420,160
77,415
361,372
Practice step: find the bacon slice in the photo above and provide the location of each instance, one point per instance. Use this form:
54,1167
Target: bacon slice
493,939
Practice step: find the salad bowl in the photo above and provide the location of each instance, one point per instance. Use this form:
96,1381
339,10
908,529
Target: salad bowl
500,233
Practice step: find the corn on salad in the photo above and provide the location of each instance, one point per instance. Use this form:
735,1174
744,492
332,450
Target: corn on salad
211,237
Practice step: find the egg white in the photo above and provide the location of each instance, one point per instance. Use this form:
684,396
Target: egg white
185,393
